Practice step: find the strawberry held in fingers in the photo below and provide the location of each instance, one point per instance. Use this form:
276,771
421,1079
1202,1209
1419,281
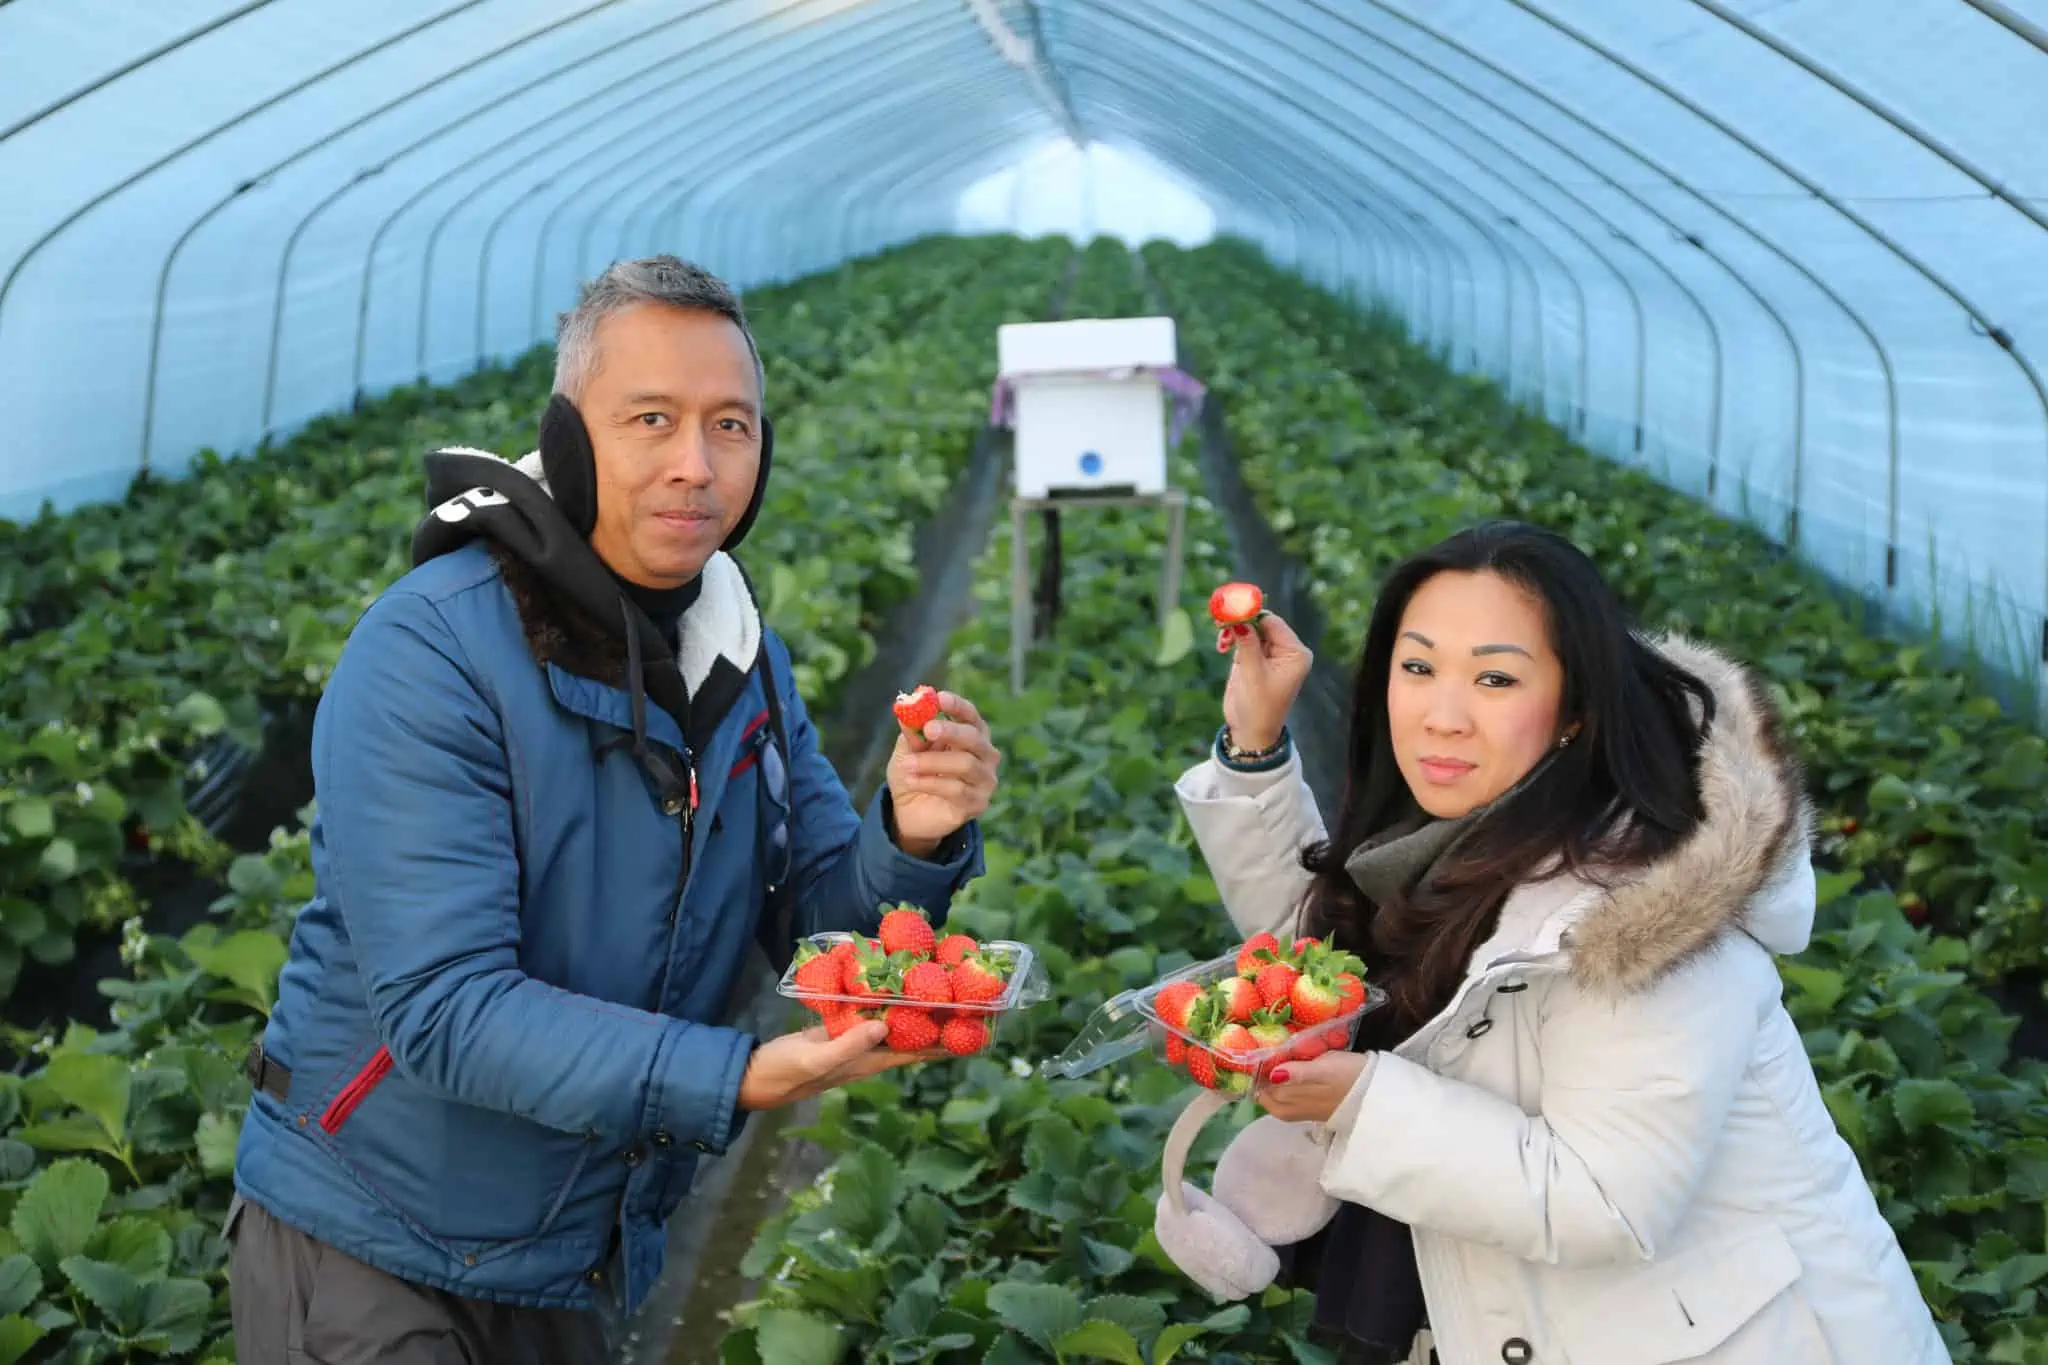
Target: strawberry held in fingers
1237,604
917,708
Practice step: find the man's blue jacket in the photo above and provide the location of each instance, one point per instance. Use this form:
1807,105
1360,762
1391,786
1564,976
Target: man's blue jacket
503,1013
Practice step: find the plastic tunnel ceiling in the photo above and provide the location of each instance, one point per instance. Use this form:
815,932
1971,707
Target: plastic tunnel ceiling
1790,256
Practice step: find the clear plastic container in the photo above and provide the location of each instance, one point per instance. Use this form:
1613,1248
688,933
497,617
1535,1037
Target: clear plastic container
1129,1023
1024,984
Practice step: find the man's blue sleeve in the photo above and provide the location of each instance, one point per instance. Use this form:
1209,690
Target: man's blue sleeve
417,853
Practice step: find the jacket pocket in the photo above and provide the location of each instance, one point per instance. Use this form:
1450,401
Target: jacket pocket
350,1097
1734,1301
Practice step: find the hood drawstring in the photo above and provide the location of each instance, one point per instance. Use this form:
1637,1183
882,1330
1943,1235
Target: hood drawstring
675,789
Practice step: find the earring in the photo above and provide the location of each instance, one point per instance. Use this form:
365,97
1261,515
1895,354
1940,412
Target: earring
1566,741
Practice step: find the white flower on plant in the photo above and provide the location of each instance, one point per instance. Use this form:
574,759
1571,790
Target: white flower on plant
1020,1068
84,790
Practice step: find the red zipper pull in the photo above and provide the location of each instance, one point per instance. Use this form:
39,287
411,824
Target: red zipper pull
693,787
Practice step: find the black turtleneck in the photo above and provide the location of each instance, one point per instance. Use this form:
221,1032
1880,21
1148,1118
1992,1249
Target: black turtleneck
664,606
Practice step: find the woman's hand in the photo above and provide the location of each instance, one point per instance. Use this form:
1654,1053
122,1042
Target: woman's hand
1311,1091
1268,666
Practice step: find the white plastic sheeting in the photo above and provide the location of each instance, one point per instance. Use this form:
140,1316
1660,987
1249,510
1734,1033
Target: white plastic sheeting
1790,255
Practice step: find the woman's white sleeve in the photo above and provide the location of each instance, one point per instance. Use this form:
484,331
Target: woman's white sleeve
1251,828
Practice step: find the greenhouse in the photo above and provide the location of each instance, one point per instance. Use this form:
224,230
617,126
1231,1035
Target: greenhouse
1078,359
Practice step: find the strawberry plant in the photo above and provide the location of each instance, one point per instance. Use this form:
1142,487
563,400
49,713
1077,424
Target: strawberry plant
1330,409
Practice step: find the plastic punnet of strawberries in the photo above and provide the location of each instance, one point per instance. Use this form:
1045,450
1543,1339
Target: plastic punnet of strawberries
1229,1024
931,989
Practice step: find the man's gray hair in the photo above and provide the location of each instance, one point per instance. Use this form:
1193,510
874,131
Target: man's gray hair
653,279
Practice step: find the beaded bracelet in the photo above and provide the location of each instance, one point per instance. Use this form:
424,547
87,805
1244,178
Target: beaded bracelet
1239,760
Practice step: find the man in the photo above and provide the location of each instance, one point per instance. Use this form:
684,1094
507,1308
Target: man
564,780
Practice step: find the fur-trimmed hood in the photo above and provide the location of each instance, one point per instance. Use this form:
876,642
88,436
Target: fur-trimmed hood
1745,868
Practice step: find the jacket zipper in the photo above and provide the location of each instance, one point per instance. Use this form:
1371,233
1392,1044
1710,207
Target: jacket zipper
355,1092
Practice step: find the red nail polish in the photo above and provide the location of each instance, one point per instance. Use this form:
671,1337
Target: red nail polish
1280,1077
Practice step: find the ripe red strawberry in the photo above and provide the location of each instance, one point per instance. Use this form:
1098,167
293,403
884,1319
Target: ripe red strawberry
964,1034
1176,1050
1316,1000
917,708
1352,991
952,948
1275,982
1173,1003
818,973
1236,604
1302,948
1202,1066
1252,956
1308,1046
978,978
905,930
1239,998
928,983
912,1029
1234,1043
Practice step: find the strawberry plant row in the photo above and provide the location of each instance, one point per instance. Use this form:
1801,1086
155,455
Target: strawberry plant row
1929,788
974,1211
118,1146
1914,1061
106,713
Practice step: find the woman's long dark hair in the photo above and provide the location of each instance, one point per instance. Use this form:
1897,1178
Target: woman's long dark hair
1622,793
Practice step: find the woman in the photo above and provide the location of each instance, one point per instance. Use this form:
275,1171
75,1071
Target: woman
1583,1129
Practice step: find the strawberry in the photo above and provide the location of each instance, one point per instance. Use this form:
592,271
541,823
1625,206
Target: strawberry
1303,947
912,1029
871,972
1173,1003
1316,1000
1253,955
1269,1026
905,930
978,979
952,948
1352,991
929,984
917,708
818,973
1308,1046
1275,982
1176,1050
964,1035
1236,604
1239,998
1233,1045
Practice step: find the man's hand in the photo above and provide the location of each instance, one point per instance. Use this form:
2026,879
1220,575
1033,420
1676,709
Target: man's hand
1311,1091
797,1066
943,778
1267,669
